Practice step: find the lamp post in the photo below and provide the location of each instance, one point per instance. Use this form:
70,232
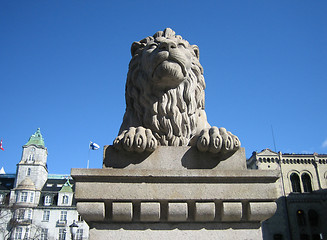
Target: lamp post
73,228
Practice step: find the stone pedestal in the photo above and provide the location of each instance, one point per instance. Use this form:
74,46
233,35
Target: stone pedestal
175,192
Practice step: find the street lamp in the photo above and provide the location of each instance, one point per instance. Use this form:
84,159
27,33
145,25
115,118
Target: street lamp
73,228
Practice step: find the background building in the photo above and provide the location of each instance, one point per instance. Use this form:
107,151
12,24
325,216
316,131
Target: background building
302,207
35,204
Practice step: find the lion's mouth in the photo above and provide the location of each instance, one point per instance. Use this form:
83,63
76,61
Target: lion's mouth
167,64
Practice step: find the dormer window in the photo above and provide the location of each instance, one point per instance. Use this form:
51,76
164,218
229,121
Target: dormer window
47,200
65,199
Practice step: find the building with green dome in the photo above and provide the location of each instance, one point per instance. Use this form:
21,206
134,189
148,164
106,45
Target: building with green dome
35,204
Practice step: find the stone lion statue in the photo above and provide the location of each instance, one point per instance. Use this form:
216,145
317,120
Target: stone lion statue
165,99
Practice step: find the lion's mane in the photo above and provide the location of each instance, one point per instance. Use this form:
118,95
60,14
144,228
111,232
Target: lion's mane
171,114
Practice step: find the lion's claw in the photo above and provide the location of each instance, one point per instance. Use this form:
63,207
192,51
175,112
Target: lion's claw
136,139
216,140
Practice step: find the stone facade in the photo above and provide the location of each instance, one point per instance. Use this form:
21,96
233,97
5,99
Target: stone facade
35,204
302,205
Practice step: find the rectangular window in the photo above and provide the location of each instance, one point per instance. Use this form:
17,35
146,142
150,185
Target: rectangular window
46,215
28,172
29,214
63,216
62,234
79,234
44,234
27,231
32,197
18,233
2,197
23,197
79,218
20,214
47,200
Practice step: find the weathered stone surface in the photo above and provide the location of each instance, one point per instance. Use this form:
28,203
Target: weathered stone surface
260,211
205,211
177,212
231,212
150,212
173,158
92,211
162,180
178,231
122,211
165,99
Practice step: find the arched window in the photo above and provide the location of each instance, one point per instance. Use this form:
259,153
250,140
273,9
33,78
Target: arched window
295,180
306,181
47,200
313,218
65,199
300,217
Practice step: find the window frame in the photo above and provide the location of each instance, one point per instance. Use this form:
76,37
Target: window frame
47,200
18,233
79,234
46,216
44,234
63,216
295,183
306,182
62,234
65,199
23,196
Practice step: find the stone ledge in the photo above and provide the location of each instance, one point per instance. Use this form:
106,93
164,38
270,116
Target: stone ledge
93,191
128,175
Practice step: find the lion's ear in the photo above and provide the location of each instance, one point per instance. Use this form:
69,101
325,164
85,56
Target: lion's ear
196,51
135,47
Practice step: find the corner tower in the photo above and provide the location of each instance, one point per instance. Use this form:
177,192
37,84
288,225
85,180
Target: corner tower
33,163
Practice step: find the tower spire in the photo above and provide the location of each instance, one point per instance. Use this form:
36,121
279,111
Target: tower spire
36,139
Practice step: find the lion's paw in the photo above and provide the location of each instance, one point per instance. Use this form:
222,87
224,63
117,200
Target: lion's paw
137,139
216,140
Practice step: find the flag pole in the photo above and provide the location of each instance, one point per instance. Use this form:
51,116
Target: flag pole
92,146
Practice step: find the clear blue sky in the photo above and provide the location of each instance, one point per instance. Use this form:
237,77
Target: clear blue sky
63,66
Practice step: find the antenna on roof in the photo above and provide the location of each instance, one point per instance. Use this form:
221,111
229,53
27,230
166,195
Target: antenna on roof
273,136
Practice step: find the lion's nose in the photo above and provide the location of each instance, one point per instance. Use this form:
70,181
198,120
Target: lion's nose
167,45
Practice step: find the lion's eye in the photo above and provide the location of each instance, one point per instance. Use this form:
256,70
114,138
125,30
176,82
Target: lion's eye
153,46
181,45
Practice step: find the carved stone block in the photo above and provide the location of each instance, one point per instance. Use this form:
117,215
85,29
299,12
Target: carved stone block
205,211
231,212
92,211
260,211
150,212
122,211
177,212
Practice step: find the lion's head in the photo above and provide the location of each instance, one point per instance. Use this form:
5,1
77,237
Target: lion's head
165,88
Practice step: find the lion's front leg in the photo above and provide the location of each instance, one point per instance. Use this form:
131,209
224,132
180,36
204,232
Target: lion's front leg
137,139
216,140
